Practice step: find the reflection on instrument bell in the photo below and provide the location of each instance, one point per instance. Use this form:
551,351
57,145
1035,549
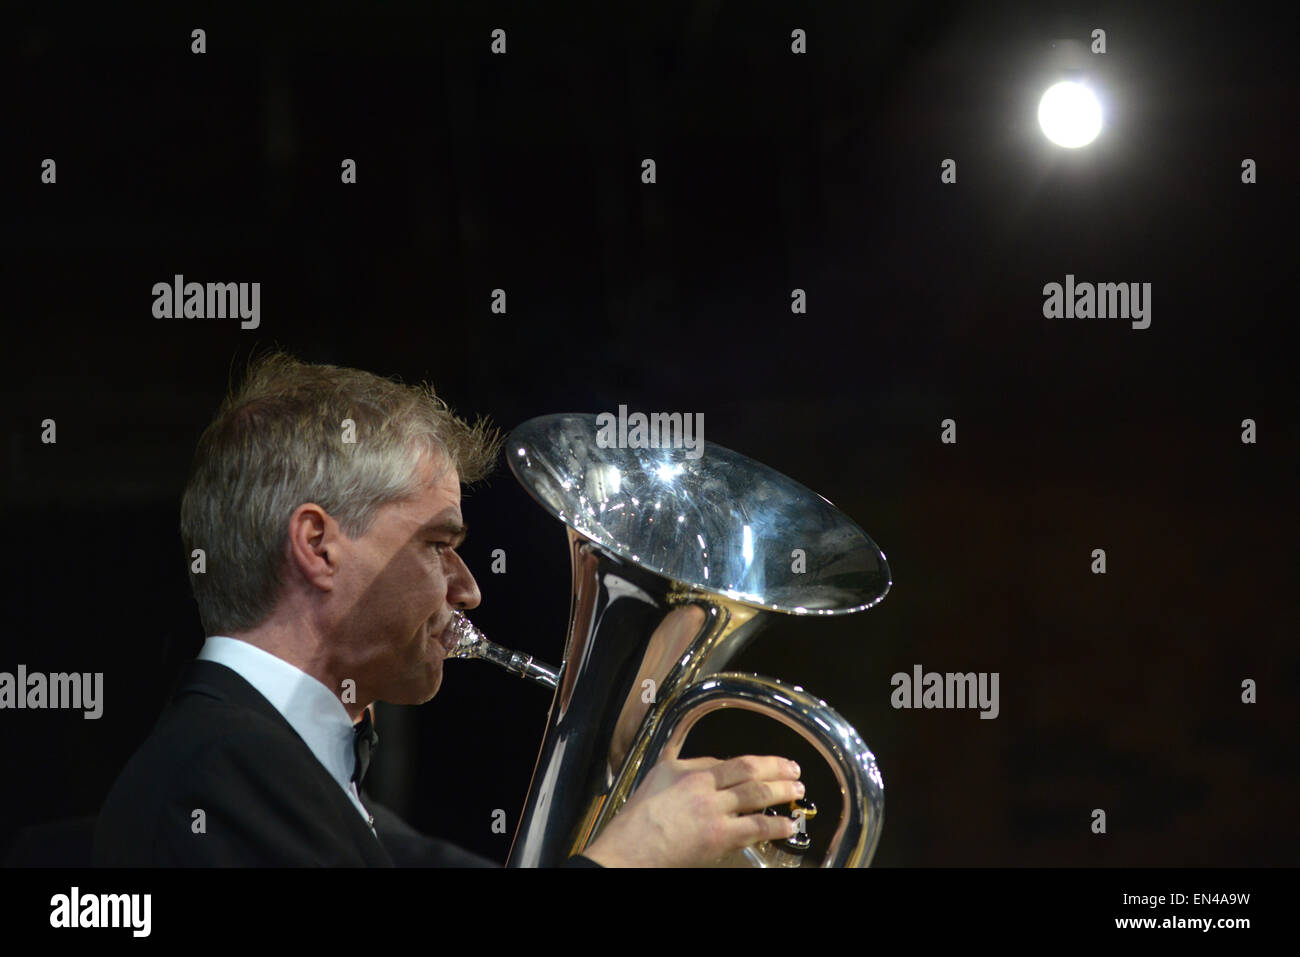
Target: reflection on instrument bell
677,562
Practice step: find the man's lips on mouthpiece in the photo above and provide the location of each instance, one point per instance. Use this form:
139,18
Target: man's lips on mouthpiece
449,637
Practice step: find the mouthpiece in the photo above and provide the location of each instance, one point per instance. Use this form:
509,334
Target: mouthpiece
474,644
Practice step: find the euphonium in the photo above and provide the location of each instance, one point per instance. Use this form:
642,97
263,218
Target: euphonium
678,561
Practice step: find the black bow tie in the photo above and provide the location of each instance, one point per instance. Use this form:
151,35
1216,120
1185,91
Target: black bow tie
364,741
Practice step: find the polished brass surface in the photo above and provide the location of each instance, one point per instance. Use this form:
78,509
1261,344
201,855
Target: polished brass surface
677,563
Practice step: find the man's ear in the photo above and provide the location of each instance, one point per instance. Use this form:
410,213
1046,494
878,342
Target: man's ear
313,546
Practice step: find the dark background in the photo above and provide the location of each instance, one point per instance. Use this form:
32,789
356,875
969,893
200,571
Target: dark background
775,172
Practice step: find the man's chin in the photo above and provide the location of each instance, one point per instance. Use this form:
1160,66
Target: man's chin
433,690
418,692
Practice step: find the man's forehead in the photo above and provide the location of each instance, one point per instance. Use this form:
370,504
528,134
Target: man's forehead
440,501
422,520
438,497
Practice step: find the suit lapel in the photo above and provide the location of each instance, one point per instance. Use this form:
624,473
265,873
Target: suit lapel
225,684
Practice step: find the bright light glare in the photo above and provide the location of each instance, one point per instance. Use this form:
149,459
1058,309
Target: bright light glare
1069,115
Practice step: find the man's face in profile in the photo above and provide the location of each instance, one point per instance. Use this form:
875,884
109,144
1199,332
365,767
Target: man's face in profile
399,585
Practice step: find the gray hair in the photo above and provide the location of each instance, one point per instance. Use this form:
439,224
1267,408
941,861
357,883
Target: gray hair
278,442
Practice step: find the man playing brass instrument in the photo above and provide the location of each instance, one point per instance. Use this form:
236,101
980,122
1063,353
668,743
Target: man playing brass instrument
327,505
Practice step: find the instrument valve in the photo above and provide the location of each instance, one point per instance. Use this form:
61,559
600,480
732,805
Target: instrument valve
802,810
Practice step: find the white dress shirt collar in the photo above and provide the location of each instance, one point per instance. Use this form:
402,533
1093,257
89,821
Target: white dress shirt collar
311,709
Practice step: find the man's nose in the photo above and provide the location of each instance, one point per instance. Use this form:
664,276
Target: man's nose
462,589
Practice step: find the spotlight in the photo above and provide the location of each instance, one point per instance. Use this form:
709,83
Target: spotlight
1069,114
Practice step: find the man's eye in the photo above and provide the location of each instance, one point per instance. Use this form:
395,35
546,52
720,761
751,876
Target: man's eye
439,546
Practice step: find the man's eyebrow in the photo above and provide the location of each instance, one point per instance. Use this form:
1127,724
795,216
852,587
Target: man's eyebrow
449,527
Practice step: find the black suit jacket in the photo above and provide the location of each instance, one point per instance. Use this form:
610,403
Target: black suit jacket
222,749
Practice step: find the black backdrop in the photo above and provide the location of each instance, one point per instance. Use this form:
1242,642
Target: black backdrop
774,172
